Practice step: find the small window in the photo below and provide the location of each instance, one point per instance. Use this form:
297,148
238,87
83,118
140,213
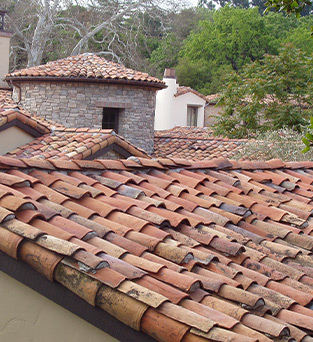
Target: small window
192,116
110,118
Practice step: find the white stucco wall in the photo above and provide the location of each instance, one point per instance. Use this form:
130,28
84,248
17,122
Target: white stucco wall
164,105
180,109
171,111
13,137
4,57
27,316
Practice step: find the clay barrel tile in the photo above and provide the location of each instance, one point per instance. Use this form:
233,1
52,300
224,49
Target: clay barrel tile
51,229
112,226
189,337
296,333
31,193
22,229
108,277
70,226
130,246
241,296
208,283
133,222
179,280
63,211
79,209
149,215
271,295
244,330
300,297
12,180
128,270
228,308
294,318
265,326
123,307
5,215
108,247
27,216
142,294
39,258
186,316
77,282
57,245
182,238
14,203
44,177
100,208
218,317
162,328
92,261
142,263
9,242
52,195
95,227
69,190
172,253
221,335
149,241
173,294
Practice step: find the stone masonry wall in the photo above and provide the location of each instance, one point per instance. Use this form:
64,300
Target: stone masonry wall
80,104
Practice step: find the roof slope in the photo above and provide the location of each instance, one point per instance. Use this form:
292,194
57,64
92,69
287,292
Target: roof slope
87,66
182,90
207,251
77,143
194,143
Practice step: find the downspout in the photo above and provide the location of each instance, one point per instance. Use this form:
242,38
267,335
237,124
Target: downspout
19,90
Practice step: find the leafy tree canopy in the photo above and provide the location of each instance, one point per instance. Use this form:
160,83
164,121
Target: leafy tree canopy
273,93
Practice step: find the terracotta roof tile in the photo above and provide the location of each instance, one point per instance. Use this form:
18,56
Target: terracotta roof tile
194,143
98,69
157,241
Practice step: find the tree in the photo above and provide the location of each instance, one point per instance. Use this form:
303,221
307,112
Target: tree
290,6
112,24
273,93
227,39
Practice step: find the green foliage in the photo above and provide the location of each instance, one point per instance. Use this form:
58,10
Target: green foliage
273,93
234,36
308,138
284,144
288,6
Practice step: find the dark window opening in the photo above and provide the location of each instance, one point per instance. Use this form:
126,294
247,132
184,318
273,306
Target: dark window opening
192,116
110,118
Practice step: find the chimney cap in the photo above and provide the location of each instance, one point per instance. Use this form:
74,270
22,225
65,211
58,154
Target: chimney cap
169,73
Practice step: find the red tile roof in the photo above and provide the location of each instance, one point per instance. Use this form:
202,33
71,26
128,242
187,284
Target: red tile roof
206,251
194,143
182,90
75,144
87,66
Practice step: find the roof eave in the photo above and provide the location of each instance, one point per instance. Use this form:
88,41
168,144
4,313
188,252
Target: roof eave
146,84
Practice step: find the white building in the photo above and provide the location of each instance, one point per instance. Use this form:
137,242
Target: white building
178,106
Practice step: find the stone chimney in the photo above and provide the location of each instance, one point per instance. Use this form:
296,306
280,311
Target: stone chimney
5,50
